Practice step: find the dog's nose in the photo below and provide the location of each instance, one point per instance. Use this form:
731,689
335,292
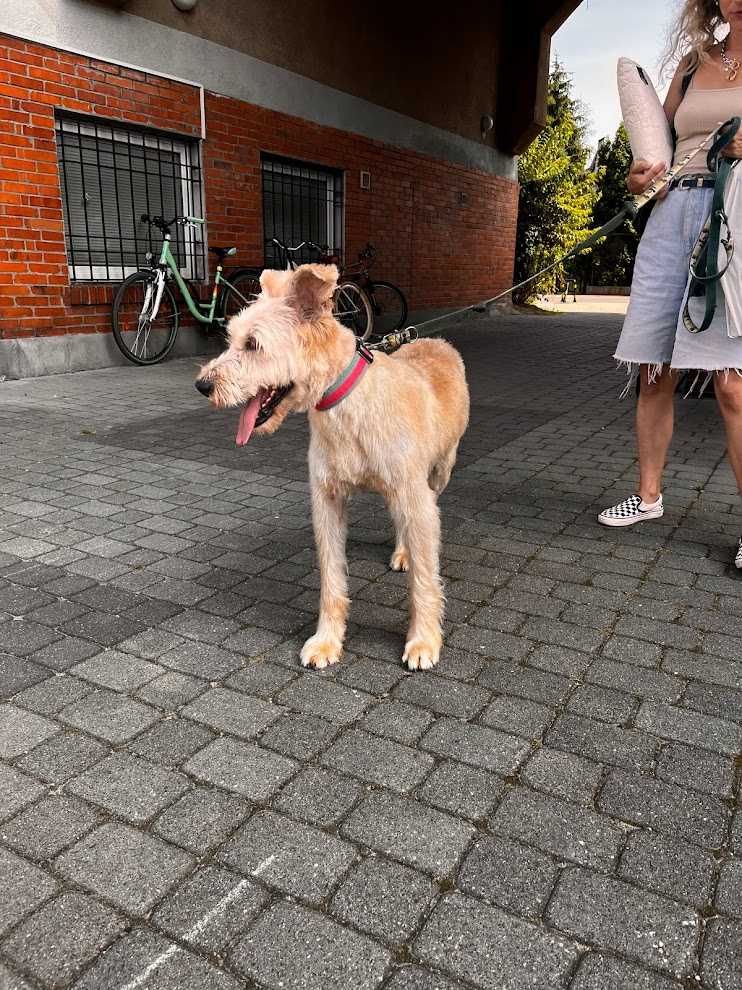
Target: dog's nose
204,386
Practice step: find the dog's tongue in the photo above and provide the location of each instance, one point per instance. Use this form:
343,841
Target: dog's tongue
248,415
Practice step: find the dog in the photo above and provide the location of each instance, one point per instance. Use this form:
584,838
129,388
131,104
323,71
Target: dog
395,430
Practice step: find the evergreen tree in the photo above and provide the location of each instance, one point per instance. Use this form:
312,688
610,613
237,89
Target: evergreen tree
558,191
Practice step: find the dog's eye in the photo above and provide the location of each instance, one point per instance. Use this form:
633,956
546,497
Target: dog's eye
251,344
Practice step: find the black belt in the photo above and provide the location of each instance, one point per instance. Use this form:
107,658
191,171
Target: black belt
693,182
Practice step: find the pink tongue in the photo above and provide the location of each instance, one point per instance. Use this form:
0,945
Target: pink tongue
247,421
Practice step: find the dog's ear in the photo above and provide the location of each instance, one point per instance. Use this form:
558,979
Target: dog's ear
312,288
275,283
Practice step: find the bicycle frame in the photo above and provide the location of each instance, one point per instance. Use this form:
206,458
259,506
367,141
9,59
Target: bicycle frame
203,312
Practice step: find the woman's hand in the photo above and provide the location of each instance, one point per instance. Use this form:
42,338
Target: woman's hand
734,148
642,175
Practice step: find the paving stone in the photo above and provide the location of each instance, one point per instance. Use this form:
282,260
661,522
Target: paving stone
65,652
46,828
63,756
464,791
9,981
397,720
293,948
117,671
563,775
229,903
199,625
20,731
383,899
50,696
201,660
612,915
128,787
17,673
249,770
23,637
57,941
688,727
376,677
103,627
696,768
151,644
604,743
300,736
492,949
417,978
298,860
517,715
475,744
597,972
320,797
171,690
676,811
668,866
408,831
171,741
124,866
602,704
729,890
527,682
202,819
312,694
378,761
639,680
721,961
229,711
713,699
112,717
558,660
441,695
261,678
25,887
16,791
508,874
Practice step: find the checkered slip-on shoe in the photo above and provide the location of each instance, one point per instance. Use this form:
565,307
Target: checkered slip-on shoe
738,558
632,510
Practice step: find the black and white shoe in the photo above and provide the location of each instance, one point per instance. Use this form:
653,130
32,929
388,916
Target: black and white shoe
632,510
738,558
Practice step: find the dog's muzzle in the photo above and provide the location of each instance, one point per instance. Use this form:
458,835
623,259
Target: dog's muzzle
205,386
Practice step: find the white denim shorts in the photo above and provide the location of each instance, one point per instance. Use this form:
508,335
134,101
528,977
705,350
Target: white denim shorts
653,331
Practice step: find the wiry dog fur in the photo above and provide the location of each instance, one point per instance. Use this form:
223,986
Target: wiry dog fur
396,433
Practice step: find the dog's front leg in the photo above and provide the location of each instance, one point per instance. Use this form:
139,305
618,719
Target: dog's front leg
330,526
422,530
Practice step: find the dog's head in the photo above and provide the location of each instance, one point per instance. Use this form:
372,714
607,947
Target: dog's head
267,369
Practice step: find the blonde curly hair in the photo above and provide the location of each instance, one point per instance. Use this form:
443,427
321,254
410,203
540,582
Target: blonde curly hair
694,33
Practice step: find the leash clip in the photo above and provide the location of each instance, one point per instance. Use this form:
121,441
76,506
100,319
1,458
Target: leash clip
393,341
364,352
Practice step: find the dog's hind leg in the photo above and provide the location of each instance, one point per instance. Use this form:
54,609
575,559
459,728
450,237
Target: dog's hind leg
440,473
422,529
330,525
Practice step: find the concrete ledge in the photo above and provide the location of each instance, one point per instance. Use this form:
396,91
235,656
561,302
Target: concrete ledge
33,357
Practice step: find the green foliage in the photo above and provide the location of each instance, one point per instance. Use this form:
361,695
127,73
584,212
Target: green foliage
558,191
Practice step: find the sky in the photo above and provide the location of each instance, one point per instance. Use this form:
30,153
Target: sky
591,41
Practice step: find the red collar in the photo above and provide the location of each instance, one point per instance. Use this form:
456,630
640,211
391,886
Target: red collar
347,381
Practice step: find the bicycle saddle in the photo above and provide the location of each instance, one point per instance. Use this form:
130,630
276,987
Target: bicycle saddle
223,252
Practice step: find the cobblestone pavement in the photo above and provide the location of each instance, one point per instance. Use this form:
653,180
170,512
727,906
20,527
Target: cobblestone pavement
183,807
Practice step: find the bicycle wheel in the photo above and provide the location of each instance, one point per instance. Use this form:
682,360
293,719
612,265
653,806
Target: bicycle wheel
351,307
389,307
141,339
239,292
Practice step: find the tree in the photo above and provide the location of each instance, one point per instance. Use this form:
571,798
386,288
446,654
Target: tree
558,191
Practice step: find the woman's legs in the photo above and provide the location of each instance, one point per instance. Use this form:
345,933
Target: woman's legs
728,388
654,425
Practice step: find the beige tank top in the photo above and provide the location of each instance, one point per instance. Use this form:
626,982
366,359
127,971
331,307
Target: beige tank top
701,111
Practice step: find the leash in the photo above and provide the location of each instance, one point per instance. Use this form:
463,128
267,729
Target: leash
393,341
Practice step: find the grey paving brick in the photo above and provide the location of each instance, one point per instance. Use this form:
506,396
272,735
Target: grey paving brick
558,660
17,673
300,736
517,715
10,981
171,741
643,801
668,866
376,677
117,671
610,914
298,860
45,829
397,720
229,903
417,978
20,731
248,770
312,694
558,827
291,947
201,660
696,768
112,717
729,890
151,644
57,941
230,711
721,961
463,790
25,887
64,652
509,875
129,787
23,637
261,678
378,761
706,731
383,899
713,699
475,744
16,791
124,866
50,696
63,756
319,797
563,774
441,695
492,949
601,703
171,690
202,819
408,831
604,743
598,972
648,683
527,682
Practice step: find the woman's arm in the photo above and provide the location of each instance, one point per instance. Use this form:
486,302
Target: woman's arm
642,174
675,93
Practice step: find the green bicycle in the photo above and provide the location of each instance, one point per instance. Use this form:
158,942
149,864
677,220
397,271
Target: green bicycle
145,312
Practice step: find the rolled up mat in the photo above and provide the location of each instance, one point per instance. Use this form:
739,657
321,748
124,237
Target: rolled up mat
643,115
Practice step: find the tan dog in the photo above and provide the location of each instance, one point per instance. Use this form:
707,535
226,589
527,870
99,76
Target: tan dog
395,433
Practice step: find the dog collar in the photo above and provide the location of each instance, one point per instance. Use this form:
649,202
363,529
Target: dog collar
347,381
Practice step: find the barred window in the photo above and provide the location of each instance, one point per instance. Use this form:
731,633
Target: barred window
110,175
301,202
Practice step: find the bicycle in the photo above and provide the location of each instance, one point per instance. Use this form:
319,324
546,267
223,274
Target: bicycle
145,315
388,302
351,306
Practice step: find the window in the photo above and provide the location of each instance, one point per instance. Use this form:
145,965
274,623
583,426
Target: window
301,202
110,175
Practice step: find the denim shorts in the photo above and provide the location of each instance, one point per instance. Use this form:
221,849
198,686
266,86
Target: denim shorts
653,331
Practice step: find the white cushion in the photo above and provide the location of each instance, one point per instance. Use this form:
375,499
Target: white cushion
643,115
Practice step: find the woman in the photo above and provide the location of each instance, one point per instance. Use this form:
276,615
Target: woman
654,344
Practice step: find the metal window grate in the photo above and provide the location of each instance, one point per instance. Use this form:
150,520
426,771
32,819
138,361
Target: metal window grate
301,202
110,175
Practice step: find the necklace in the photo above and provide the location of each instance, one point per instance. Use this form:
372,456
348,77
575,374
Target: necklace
731,65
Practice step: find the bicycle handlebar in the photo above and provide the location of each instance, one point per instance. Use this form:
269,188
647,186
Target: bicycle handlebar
165,225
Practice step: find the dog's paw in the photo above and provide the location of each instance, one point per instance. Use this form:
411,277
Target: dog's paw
421,654
320,653
400,561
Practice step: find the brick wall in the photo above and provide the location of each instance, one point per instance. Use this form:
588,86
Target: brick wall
444,233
